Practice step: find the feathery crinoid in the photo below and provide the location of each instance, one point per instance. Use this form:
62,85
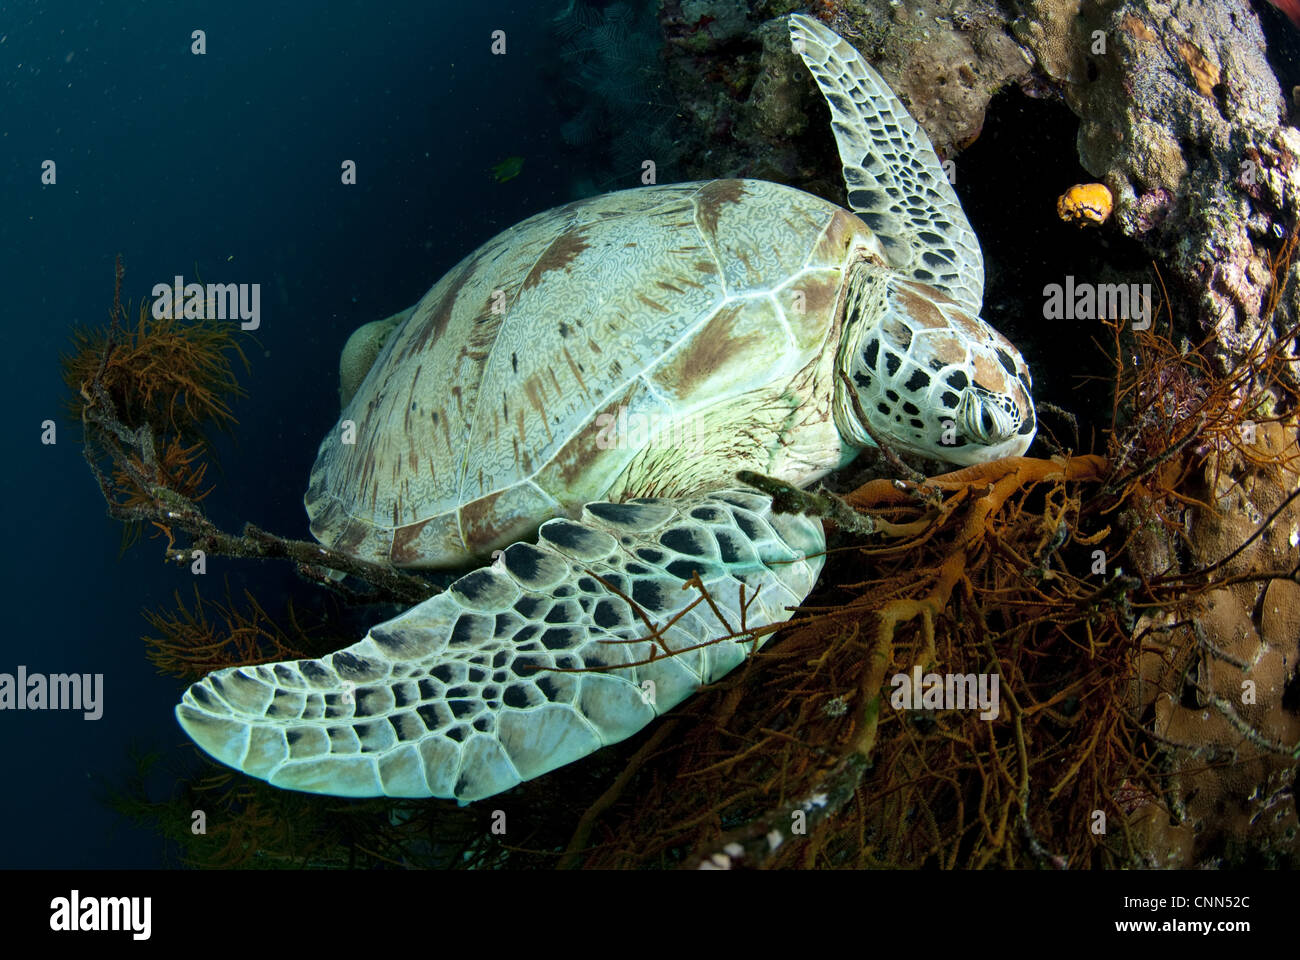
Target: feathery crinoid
182,467
190,641
173,374
146,392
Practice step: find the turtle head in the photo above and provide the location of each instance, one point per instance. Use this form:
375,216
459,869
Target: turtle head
925,376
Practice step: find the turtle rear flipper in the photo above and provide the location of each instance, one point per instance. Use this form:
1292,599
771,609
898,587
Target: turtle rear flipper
526,665
893,178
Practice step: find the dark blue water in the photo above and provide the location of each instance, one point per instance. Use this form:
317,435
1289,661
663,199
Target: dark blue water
227,162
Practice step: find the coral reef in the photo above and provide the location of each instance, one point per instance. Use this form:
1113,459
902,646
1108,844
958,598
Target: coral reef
1087,585
1216,676
1214,672
1211,519
1181,117
1120,601
742,92
1137,596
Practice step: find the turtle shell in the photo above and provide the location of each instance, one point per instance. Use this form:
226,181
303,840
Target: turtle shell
482,415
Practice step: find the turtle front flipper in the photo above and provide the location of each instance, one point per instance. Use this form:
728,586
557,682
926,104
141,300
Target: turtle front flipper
894,180
526,665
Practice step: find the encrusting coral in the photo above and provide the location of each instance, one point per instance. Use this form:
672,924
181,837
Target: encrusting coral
1216,678
1214,670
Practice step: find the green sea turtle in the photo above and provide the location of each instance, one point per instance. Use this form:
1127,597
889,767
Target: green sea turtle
603,369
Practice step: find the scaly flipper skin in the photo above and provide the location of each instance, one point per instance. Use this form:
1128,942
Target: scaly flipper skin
447,700
894,179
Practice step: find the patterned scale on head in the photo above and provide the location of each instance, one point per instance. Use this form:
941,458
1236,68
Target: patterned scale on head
934,379
592,379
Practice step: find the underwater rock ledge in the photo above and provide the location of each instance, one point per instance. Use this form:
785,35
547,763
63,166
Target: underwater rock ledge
1180,115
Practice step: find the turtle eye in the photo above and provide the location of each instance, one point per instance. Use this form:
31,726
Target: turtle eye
979,422
986,420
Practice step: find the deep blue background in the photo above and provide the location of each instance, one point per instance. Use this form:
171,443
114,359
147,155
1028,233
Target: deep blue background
229,162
